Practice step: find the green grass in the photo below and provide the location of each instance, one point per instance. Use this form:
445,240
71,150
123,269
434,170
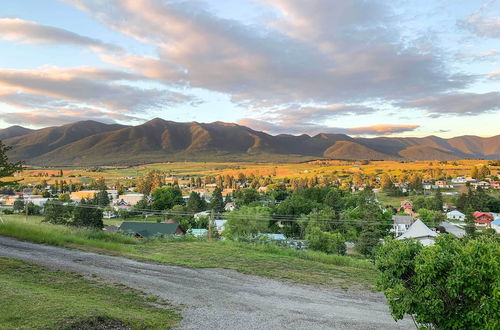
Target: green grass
264,260
36,298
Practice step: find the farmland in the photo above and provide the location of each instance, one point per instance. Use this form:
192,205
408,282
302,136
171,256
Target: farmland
33,175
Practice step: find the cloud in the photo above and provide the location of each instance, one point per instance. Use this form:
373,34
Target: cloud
32,32
312,52
60,116
91,86
299,113
313,129
458,104
485,22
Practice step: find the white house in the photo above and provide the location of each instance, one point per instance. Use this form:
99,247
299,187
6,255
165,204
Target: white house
455,215
496,225
231,206
401,223
459,179
420,232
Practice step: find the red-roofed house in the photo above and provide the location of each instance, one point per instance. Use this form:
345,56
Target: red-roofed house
483,219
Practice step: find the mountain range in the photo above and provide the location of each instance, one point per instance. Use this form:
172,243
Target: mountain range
158,140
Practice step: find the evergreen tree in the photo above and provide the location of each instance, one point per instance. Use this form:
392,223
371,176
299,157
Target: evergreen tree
217,202
19,204
438,201
470,223
87,214
102,198
195,203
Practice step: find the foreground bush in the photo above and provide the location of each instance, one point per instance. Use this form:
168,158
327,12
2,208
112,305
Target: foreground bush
454,284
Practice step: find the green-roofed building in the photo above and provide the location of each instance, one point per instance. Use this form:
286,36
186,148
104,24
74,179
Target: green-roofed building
150,229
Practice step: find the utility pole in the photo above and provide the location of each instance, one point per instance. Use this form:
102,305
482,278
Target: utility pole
26,211
210,219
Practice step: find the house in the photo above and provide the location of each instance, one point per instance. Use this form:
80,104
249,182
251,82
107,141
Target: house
459,179
483,184
401,223
495,185
455,215
406,207
219,225
131,199
441,184
231,206
79,195
420,232
151,229
483,219
496,225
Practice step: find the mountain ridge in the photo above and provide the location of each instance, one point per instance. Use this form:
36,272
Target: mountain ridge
157,140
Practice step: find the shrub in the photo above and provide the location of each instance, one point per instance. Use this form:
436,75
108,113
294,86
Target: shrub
327,242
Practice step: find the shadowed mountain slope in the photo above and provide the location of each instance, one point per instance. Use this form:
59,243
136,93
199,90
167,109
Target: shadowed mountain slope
14,131
94,143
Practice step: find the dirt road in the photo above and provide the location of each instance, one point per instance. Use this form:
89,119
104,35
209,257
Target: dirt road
219,298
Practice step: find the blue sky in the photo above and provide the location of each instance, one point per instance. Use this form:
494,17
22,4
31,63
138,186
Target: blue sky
368,68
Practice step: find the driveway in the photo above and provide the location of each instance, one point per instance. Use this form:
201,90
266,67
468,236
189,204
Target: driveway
219,298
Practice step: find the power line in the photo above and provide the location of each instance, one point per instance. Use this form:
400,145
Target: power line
280,218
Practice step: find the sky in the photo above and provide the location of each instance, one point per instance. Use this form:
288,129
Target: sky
357,67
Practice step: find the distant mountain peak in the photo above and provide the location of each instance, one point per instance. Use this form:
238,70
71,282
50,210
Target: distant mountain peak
158,140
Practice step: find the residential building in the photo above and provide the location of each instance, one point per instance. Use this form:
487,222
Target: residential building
151,229
420,232
496,225
455,215
483,219
401,223
131,199
79,195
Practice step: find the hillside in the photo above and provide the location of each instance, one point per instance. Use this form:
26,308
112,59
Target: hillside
14,131
158,140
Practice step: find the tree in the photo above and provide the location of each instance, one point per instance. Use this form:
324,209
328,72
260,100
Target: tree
217,202
166,197
438,201
56,212
33,209
195,203
7,168
246,196
148,183
87,214
328,242
19,204
368,241
430,217
470,223
102,198
453,284
247,221
474,173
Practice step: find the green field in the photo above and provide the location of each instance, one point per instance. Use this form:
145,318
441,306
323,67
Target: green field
264,260
37,298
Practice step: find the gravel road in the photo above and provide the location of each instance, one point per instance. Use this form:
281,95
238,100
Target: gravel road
219,298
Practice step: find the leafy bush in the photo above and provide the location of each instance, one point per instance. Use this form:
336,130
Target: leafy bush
454,284
327,242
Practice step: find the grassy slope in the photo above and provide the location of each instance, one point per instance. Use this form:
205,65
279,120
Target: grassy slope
36,298
269,261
